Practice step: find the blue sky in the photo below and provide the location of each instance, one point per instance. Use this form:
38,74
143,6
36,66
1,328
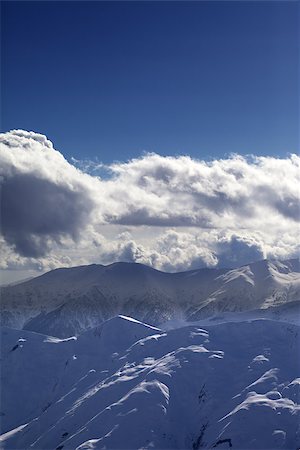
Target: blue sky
110,80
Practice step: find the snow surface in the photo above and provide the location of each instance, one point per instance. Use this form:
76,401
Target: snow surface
128,385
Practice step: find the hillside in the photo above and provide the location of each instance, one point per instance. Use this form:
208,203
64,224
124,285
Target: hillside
127,385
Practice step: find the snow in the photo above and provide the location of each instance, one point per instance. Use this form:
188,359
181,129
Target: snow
66,302
127,357
134,386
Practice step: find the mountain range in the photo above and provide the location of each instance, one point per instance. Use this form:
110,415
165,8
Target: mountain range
65,302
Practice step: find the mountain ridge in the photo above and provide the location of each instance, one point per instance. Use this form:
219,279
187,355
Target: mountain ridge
67,301
293,261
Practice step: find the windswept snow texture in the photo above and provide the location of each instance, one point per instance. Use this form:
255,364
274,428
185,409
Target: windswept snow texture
126,385
66,302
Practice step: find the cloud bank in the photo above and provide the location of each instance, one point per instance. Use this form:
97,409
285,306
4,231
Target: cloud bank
172,213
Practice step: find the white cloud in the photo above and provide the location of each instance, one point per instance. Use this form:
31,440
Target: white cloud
226,212
224,193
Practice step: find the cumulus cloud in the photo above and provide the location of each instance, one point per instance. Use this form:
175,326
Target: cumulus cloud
236,250
181,191
36,211
182,250
225,212
43,197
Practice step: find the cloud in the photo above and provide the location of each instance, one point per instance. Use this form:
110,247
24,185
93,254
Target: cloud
183,250
11,260
236,251
168,191
224,212
35,212
42,196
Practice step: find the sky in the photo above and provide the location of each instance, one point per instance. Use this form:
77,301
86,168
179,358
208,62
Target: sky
110,80
164,133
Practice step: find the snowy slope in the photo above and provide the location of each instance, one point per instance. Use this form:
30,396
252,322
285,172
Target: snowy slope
126,385
259,285
64,302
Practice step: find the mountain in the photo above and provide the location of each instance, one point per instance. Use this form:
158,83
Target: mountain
128,385
66,302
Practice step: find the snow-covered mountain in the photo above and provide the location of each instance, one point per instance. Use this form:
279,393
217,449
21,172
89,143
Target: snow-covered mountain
126,385
65,302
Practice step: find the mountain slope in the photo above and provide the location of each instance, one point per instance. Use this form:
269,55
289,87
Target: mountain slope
128,385
64,302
